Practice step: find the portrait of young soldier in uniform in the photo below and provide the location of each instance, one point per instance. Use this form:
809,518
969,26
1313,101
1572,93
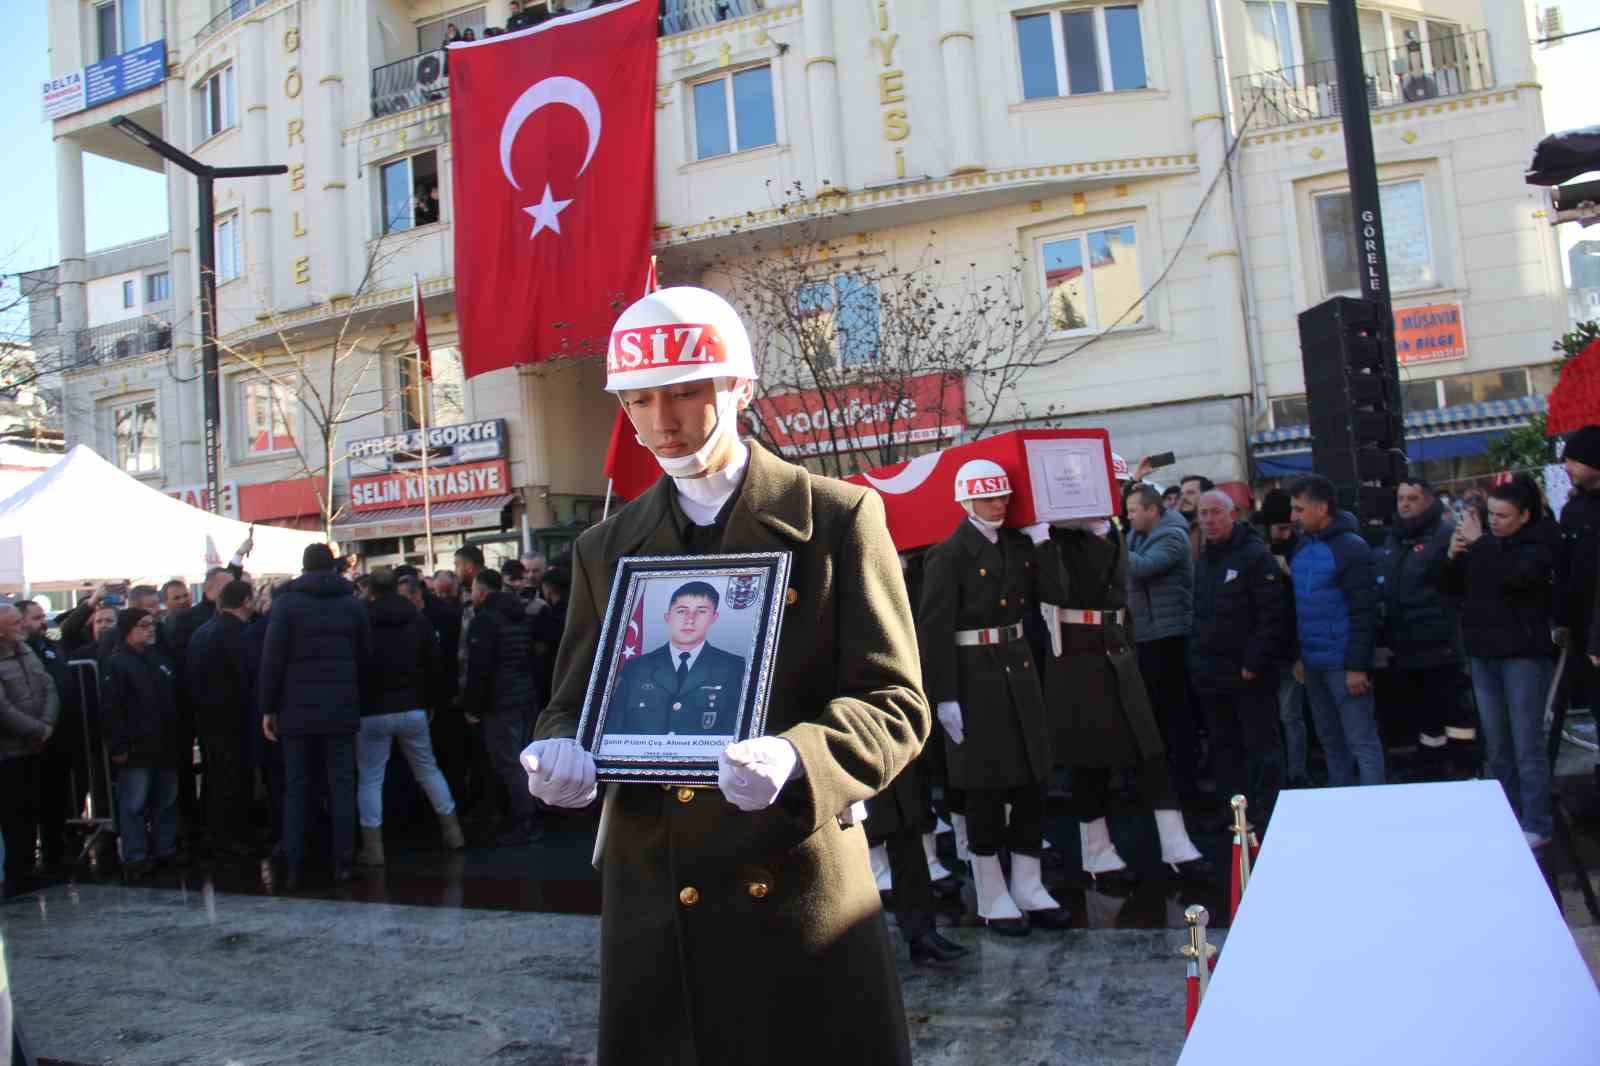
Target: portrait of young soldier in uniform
731,913
686,685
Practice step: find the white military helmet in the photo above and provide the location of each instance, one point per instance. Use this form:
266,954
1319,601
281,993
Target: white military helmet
981,479
676,335
1119,467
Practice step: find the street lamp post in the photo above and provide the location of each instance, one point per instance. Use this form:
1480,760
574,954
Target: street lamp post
205,177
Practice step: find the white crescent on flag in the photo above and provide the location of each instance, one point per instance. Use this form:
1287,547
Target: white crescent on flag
907,479
546,214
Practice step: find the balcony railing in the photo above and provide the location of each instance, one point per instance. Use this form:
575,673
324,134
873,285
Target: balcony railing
231,12
409,82
423,78
118,340
681,16
1414,73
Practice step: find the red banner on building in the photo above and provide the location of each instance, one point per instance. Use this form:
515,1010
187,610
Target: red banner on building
404,488
923,408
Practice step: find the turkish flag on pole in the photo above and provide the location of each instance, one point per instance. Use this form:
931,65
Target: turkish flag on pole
419,330
554,166
629,464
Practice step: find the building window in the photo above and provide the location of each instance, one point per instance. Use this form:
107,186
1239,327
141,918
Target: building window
129,11
410,192
1091,280
1290,411
217,105
1081,50
1405,239
229,261
1269,41
1486,386
268,412
734,113
157,287
135,438
105,30
447,395
127,294
839,319
431,34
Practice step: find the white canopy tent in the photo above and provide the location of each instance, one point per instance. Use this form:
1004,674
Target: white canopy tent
85,520
19,467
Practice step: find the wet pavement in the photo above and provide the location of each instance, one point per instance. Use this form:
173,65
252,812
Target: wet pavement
491,955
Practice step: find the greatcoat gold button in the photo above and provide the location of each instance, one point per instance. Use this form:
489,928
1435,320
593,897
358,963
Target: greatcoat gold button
790,597
685,795
982,572
689,896
1002,601
759,889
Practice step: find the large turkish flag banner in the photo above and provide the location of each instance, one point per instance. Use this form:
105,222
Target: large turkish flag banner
553,164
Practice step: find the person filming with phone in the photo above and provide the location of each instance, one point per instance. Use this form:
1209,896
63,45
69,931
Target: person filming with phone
1503,577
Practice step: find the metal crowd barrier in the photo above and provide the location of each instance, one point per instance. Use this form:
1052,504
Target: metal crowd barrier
96,790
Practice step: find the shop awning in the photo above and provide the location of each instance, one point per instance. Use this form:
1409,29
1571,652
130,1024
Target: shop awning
1443,433
448,517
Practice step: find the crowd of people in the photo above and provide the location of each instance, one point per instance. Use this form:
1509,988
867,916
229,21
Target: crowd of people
1250,629
295,692
1439,633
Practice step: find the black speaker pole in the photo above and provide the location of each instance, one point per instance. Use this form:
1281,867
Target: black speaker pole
1362,164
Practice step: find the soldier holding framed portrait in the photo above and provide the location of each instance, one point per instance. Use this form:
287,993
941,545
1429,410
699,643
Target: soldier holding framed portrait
731,913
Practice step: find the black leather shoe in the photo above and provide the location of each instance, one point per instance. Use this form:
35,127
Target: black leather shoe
1050,918
947,887
1193,870
930,949
1008,926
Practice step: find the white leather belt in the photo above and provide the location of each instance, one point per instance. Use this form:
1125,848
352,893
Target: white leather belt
970,638
1074,617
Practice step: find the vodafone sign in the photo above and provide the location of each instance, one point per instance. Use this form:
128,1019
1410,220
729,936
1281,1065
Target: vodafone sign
929,407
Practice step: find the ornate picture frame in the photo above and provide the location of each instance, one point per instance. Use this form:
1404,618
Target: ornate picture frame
685,664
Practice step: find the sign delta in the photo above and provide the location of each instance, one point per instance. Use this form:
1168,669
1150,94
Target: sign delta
469,481
100,83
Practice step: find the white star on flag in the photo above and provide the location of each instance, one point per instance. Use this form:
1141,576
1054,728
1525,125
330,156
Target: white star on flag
545,213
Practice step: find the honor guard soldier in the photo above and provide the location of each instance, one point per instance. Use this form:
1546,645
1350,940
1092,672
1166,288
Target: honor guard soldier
732,913
980,674
1101,718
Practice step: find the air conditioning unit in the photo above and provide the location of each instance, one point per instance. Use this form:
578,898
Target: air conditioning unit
429,69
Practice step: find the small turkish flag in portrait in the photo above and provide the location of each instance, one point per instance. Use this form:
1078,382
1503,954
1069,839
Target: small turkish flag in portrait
553,138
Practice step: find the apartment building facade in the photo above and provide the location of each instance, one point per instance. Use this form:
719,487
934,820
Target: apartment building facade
1164,180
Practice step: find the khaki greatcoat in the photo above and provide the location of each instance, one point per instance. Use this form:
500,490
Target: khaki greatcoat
972,584
732,937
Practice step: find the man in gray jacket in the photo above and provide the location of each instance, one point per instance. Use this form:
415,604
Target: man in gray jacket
29,706
1161,606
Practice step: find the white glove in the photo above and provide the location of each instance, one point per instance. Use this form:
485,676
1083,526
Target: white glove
950,718
1039,532
752,772
560,772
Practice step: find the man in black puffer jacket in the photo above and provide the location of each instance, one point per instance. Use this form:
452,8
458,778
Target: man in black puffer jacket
139,713
1420,628
402,674
1504,579
317,639
222,696
1241,623
503,690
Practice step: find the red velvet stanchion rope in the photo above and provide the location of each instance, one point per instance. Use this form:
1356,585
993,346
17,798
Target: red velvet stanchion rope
1235,882
1191,1003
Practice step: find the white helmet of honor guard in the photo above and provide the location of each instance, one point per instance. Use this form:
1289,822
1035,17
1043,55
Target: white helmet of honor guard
981,479
1119,467
682,334
676,335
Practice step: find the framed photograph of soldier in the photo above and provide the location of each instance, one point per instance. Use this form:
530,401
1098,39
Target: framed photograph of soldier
684,666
